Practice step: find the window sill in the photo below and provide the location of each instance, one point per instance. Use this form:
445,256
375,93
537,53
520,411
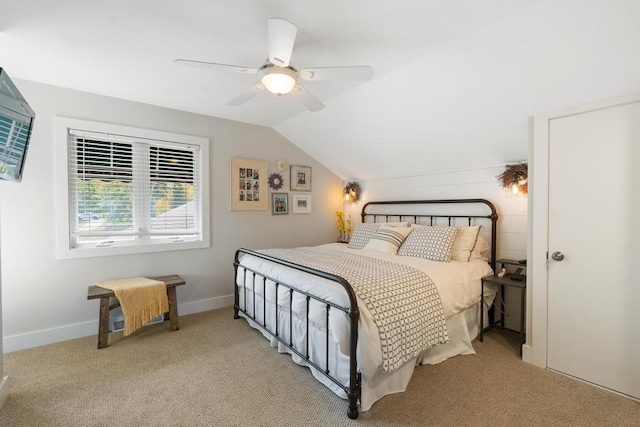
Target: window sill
93,251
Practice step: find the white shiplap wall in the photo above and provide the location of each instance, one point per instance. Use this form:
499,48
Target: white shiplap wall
467,184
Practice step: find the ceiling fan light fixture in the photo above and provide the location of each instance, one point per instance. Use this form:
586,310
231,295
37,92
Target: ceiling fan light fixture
279,80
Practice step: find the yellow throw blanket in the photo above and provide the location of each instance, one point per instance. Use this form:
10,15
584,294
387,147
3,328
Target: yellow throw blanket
141,300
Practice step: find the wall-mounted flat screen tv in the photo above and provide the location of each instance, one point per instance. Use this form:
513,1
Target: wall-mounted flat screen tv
16,123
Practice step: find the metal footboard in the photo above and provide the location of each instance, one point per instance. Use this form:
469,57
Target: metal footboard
432,212
252,278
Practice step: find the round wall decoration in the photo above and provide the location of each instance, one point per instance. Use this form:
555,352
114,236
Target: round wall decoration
352,192
281,165
275,181
516,177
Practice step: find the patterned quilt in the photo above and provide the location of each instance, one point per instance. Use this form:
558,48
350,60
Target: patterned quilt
403,301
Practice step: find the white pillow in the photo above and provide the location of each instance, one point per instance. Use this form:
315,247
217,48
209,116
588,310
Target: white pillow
464,243
361,235
388,239
433,243
482,250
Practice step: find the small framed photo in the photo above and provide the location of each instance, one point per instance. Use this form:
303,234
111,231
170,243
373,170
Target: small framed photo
301,204
300,178
279,203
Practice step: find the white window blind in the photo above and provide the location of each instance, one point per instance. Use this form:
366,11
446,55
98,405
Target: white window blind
126,190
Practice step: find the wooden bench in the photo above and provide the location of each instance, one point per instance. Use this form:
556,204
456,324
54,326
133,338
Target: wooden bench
105,295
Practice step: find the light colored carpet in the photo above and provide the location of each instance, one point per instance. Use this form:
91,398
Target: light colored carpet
217,371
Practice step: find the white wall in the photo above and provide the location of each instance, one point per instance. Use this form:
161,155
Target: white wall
45,299
468,184
463,104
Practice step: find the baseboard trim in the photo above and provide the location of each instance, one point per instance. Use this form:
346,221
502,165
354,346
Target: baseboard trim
78,330
526,353
4,390
619,393
199,306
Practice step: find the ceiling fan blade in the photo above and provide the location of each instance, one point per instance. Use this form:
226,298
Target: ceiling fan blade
282,36
214,66
305,97
360,73
244,97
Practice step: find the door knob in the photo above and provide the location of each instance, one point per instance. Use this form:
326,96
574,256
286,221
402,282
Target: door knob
557,256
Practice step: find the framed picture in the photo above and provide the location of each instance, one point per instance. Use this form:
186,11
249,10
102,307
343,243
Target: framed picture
300,178
248,185
301,204
279,203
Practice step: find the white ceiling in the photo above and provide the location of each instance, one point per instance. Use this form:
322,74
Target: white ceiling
454,81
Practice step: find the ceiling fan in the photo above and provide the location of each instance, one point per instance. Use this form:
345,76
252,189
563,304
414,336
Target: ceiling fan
278,76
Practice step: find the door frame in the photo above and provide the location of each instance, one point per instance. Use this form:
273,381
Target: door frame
535,350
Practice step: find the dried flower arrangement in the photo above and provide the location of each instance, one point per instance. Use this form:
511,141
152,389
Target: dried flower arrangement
344,227
516,177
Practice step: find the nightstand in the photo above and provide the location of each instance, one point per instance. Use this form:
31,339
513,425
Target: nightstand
507,280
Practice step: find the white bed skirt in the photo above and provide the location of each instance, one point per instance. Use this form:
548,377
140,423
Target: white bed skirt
463,327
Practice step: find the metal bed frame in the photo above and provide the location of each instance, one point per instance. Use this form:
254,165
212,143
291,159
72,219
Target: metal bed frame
354,388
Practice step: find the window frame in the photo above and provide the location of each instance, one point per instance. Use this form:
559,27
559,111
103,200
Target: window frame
64,244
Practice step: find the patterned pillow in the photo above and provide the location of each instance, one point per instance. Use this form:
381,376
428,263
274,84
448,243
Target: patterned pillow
388,239
433,243
361,235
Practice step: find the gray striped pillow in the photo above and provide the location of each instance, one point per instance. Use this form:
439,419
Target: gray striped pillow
388,239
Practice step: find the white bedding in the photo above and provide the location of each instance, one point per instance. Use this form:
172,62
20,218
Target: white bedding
457,282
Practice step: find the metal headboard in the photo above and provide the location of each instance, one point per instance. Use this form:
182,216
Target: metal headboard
400,214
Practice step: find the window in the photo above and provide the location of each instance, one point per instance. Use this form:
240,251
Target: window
129,190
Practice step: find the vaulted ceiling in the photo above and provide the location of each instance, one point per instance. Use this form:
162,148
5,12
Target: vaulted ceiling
454,81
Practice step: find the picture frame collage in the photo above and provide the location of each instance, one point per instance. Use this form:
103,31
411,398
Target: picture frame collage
248,184
250,180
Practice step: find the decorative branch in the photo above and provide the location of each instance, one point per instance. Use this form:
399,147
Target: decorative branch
517,174
353,191
344,226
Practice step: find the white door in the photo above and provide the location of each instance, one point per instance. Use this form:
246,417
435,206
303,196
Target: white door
594,221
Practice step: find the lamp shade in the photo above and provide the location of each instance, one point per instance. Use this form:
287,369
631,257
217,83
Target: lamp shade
279,80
